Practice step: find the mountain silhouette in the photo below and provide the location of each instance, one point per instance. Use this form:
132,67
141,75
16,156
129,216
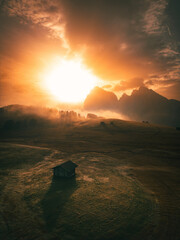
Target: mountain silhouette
146,104
143,105
100,99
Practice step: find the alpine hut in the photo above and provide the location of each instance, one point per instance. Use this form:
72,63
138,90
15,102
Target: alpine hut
66,169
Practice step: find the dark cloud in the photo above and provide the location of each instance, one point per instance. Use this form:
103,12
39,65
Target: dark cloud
114,37
122,28
109,35
162,82
118,40
172,11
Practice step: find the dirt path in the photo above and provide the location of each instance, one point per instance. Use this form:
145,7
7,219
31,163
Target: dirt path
28,146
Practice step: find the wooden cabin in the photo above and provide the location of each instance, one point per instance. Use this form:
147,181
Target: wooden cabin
66,169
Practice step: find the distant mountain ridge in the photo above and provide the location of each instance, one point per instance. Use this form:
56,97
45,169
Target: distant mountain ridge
143,104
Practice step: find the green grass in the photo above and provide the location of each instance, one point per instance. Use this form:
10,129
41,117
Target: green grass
17,156
102,202
126,186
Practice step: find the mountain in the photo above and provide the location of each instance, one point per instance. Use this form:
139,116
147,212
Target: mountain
143,105
100,99
146,104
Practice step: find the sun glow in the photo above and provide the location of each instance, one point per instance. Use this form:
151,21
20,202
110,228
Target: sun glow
69,81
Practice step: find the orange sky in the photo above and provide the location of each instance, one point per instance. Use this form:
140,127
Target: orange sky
124,44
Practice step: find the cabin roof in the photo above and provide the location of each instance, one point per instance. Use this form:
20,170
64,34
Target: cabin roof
68,166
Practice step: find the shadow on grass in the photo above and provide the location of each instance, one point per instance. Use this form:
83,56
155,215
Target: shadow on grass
56,197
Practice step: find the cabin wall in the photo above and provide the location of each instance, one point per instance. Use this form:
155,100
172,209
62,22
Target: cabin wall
60,172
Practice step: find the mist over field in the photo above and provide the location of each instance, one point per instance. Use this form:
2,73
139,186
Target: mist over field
142,105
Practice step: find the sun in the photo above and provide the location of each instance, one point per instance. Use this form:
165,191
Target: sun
69,81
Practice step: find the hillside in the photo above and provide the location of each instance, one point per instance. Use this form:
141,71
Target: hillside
126,184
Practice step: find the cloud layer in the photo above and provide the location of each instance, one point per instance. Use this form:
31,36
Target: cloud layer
125,43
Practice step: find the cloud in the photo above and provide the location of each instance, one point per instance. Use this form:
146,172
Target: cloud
122,39
170,88
154,17
170,91
129,84
162,82
112,37
47,14
109,35
116,39
108,86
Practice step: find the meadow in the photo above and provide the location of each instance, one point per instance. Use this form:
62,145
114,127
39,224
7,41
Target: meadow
126,183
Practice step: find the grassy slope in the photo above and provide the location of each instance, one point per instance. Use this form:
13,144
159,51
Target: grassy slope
125,187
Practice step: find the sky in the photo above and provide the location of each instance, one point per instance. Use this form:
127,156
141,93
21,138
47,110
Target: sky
124,43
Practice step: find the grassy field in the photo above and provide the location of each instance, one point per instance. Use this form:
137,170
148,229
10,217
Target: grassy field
126,184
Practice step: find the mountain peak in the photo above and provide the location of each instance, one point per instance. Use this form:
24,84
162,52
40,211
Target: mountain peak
142,90
100,99
124,96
